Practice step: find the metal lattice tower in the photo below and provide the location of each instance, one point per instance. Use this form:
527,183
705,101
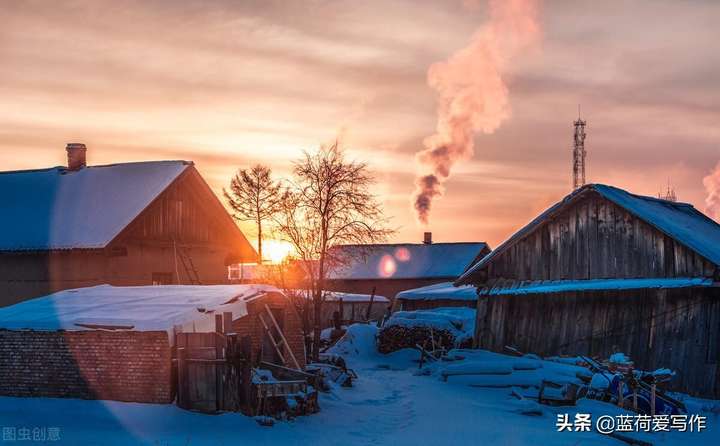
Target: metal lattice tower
579,153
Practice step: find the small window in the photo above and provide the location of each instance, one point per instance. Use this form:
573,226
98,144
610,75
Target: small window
162,278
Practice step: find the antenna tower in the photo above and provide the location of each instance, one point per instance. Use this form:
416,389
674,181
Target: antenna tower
669,194
579,153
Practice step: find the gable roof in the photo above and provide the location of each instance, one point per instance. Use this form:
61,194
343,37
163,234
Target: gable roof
407,260
680,221
60,209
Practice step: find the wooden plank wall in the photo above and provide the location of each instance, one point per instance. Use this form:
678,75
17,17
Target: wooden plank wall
596,239
674,328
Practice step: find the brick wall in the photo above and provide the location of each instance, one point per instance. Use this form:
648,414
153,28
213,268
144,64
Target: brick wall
292,325
122,366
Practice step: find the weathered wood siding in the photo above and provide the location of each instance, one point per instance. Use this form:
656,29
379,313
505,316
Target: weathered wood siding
186,217
674,328
596,239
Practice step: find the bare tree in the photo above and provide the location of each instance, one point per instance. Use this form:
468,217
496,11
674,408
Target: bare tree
328,204
255,197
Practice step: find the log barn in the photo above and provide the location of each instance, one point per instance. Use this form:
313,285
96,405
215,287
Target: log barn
123,224
124,343
387,269
605,270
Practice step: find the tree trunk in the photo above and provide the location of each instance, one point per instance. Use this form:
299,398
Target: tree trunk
260,257
317,313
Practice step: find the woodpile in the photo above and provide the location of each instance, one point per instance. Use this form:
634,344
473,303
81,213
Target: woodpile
396,337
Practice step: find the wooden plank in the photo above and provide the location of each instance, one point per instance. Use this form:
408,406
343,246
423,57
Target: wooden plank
592,233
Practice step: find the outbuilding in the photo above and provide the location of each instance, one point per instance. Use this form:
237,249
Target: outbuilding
387,269
121,343
440,295
605,271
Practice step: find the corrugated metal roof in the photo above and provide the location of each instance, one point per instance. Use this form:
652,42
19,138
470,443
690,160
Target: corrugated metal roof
681,221
406,260
60,209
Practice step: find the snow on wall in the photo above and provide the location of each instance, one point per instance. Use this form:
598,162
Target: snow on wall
60,209
440,291
144,308
406,260
558,286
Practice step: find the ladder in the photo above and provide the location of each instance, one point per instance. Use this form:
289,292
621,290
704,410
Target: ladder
189,266
277,343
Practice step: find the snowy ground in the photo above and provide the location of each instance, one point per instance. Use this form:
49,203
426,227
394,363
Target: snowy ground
389,404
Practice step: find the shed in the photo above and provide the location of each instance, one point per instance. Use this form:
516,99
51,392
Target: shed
140,223
605,270
118,343
387,269
443,294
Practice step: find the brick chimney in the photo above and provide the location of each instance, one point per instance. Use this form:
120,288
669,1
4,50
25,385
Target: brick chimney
427,238
76,155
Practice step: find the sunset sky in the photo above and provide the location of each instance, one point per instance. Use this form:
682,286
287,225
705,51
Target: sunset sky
230,83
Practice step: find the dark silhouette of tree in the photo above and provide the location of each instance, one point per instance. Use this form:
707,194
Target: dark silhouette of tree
328,204
254,196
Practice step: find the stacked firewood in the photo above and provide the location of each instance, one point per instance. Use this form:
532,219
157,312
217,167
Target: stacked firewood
396,337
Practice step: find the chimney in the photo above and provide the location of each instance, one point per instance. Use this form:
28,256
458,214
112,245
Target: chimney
427,239
76,155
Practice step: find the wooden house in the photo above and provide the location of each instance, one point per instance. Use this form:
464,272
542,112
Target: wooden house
387,269
145,344
603,271
122,224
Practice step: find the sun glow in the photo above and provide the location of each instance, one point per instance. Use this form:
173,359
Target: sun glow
276,250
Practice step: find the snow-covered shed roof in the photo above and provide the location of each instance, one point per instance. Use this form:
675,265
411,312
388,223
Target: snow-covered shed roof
407,260
440,291
139,308
335,296
681,221
558,286
57,208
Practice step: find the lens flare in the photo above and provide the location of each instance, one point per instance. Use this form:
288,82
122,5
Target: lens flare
387,266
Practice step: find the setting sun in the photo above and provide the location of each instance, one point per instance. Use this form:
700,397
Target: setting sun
276,250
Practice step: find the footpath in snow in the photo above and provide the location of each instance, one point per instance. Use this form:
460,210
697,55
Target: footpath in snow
392,402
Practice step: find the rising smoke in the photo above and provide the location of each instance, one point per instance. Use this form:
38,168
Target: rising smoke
712,188
472,95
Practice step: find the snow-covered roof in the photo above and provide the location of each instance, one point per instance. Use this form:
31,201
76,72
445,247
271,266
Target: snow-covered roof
60,209
558,286
681,221
406,260
140,308
334,296
440,291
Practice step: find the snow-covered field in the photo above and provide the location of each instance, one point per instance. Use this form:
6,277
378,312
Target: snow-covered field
390,403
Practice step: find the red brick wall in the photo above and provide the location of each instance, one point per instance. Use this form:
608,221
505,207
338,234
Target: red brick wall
122,366
292,325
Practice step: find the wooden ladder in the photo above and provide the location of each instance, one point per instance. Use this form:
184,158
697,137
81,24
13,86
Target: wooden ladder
189,267
278,344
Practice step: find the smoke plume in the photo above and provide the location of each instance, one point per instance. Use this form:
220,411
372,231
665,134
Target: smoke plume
472,95
712,187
